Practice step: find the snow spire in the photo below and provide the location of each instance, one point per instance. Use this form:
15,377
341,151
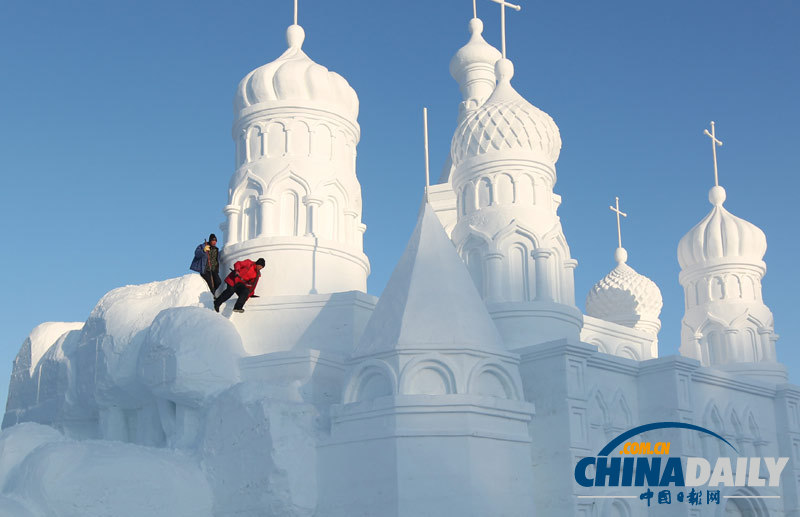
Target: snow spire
714,144
427,161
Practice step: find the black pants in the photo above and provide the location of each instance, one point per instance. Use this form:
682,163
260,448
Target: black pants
240,289
212,276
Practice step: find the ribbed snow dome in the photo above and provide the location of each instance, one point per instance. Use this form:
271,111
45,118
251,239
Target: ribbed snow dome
721,235
624,296
475,53
506,121
295,77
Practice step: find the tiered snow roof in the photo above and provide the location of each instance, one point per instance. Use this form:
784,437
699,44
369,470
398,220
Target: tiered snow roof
720,238
295,77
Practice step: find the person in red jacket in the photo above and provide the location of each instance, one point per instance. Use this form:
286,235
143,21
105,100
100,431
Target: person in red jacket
242,281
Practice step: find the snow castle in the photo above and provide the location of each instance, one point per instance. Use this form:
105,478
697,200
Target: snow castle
472,387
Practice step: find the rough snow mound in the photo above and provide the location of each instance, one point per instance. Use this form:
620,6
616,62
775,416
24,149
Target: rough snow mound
101,479
18,441
119,322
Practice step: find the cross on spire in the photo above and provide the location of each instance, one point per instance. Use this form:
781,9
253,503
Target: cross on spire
619,213
503,5
427,165
714,143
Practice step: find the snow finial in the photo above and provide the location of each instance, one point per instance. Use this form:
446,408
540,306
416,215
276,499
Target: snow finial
295,35
427,163
503,6
474,9
295,12
714,144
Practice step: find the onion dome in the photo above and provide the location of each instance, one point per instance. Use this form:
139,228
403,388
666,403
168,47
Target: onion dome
721,237
625,297
506,122
295,77
473,66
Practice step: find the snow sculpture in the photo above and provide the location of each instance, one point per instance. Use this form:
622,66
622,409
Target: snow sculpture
726,323
507,231
430,358
294,198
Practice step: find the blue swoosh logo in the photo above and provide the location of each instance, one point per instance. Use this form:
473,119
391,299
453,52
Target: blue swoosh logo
613,444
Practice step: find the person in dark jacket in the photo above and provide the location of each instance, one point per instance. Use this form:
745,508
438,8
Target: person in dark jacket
242,281
206,262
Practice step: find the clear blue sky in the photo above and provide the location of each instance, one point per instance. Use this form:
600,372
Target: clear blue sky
115,117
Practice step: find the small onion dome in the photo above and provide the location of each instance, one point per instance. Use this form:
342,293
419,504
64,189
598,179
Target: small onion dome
474,54
625,297
721,237
295,77
506,122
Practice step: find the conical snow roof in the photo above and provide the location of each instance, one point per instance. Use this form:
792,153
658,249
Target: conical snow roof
721,237
430,301
295,77
625,297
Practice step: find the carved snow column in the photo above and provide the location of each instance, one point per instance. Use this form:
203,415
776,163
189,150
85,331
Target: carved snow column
543,290
294,198
504,154
494,277
569,281
312,206
268,219
729,327
232,212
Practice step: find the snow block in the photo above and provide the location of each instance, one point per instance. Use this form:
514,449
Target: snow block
259,453
190,354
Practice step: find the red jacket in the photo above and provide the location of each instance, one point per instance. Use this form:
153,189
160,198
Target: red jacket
244,272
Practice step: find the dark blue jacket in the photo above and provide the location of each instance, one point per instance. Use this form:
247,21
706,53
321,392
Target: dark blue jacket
200,260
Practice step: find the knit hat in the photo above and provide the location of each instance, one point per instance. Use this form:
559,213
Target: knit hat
261,262
212,237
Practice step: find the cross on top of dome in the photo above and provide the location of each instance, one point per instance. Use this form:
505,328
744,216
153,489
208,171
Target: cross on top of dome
714,143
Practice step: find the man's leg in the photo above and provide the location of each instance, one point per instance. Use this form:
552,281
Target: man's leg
223,297
208,278
217,281
244,293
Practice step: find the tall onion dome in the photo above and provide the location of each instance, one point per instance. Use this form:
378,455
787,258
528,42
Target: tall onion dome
294,198
726,323
508,232
627,298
